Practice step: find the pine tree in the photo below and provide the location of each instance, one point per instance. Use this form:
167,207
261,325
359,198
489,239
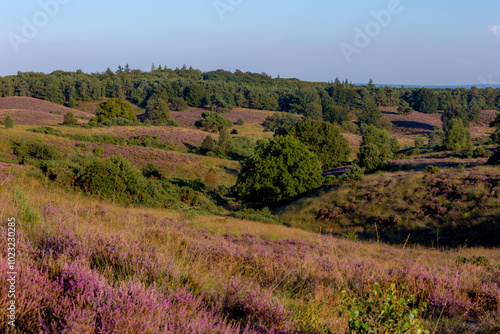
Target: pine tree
9,123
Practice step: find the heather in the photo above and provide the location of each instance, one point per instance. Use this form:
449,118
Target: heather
452,207
87,267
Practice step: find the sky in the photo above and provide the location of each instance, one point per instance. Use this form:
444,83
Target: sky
408,42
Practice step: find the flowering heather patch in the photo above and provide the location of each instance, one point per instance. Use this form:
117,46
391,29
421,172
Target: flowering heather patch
192,115
177,136
32,104
90,268
416,123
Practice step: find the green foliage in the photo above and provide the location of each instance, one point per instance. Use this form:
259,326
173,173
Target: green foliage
436,137
432,170
213,122
208,144
355,173
384,123
121,121
114,108
370,113
157,112
280,169
425,100
196,95
323,139
46,130
151,171
404,108
70,119
457,135
240,121
454,111
279,123
35,149
384,311
224,145
479,261
419,142
263,215
9,122
495,137
376,147
242,148
114,178
481,152
178,104
473,112
314,111
336,114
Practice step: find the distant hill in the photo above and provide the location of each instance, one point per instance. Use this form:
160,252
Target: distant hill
27,110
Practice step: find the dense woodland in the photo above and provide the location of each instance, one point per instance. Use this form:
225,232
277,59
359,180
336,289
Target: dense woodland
223,90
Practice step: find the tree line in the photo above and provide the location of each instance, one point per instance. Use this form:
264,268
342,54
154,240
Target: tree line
223,90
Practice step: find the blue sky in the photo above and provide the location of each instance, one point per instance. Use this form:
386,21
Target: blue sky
414,41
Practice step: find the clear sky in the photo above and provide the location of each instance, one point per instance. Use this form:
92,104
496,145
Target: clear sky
421,42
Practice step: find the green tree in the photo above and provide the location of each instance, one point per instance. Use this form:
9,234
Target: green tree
336,114
314,111
457,135
436,137
323,139
178,104
473,112
196,96
157,112
376,147
224,145
69,119
213,122
208,144
370,113
240,121
495,137
454,111
114,108
404,108
425,100
279,123
9,122
280,169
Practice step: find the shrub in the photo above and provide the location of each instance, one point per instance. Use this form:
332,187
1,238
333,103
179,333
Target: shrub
213,122
457,135
208,144
114,178
35,149
495,137
157,112
404,108
234,132
178,104
47,130
432,170
9,122
323,139
384,311
280,169
263,215
121,121
481,152
384,123
376,147
355,173
114,108
436,137
279,123
240,121
70,119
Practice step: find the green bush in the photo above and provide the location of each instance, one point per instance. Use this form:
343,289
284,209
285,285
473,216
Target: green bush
178,104
47,130
279,123
384,311
495,137
9,122
35,149
355,173
114,108
432,170
70,119
240,121
113,178
263,215
376,147
481,152
280,169
213,122
121,121
457,135
323,139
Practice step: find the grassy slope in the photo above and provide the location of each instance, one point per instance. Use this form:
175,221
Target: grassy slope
252,273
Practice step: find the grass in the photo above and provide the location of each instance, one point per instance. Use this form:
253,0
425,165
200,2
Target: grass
239,274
